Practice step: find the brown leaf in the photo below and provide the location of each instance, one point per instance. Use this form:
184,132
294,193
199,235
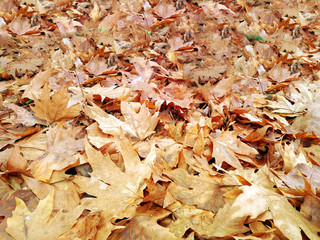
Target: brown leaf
166,9
55,108
195,190
16,162
145,226
139,124
62,145
115,190
98,66
40,224
228,148
22,26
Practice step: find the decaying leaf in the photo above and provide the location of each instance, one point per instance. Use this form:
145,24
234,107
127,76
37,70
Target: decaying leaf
200,120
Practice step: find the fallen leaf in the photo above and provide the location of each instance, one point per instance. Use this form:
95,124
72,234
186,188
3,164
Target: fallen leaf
25,224
166,9
121,190
145,226
139,125
16,162
62,145
228,148
54,108
21,26
195,190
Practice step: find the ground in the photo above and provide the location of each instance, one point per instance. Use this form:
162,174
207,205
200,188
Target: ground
136,119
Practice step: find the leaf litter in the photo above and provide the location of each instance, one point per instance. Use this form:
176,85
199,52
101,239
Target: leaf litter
159,119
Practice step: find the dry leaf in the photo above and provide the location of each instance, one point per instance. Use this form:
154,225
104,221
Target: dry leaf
25,225
54,108
228,148
195,190
109,184
139,124
62,145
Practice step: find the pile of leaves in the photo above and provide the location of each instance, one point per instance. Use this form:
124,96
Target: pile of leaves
158,119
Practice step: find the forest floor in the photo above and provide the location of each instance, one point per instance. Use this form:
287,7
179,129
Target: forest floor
138,119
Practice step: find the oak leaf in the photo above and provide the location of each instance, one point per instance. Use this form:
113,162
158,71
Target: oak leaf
54,108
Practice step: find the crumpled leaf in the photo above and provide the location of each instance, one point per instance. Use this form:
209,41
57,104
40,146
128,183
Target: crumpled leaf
23,116
112,92
98,66
256,200
54,108
281,74
41,223
201,221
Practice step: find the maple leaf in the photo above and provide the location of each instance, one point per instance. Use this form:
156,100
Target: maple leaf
112,92
21,26
62,145
8,204
36,83
139,125
40,224
224,225
145,226
65,194
201,221
23,116
16,162
54,108
228,148
144,70
115,191
256,200
195,190
85,228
